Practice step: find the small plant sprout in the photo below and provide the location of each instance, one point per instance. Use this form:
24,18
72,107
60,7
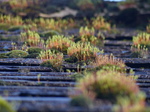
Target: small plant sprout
38,77
51,59
143,39
59,42
99,23
14,46
83,51
32,39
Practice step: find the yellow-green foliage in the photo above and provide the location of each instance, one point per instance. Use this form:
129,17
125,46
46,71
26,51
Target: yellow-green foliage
31,27
99,23
59,42
83,51
108,62
55,59
88,35
5,106
85,31
139,51
111,86
142,39
53,24
17,54
10,20
32,39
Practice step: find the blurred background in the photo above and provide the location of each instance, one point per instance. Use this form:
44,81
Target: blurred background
122,13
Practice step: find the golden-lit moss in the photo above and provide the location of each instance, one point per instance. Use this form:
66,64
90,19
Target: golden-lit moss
83,51
114,87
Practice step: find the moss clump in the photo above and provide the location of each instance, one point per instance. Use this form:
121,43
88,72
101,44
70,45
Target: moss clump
81,101
4,27
83,51
71,59
32,50
5,106
3,55
17,54
49,33
51,59
48,63
15,28
114,87
108,62
33,55
109,85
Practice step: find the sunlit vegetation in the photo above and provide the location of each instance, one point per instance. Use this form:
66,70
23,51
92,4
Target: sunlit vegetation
83,51
100,23
41,23
32,39
51,59
139,51
108,62
142,39
53,24
111,86
7,19
88,35
76,45
59,42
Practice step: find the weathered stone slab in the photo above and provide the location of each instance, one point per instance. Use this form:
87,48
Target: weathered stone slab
37,83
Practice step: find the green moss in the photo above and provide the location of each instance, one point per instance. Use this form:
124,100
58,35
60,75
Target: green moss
77,75
14,28
47,34
81,101
8,37
34,50
4,27
46,64
5,106
17,54
109,85
109,67
3,55
71,59
49,64
33,55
